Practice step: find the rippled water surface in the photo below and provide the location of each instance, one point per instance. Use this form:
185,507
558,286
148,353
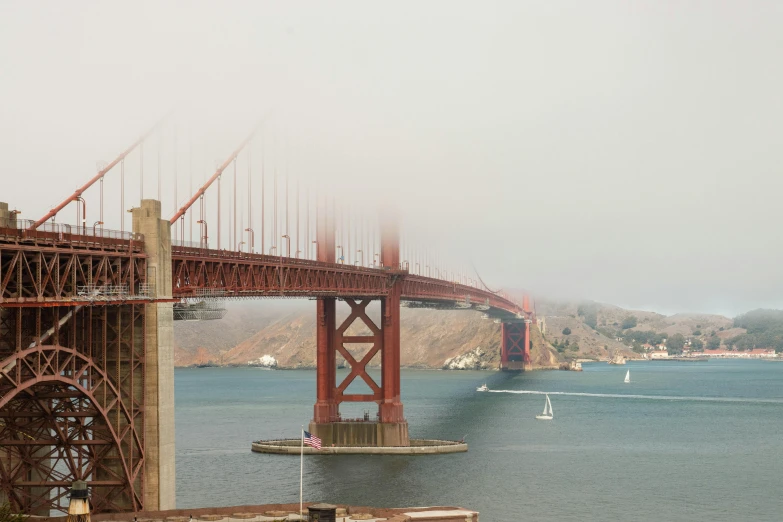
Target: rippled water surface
682,441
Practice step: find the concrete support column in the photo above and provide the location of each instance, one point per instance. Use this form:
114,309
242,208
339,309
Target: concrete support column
7,219
159,467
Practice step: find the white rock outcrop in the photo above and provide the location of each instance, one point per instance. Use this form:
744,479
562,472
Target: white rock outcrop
265,361
472,360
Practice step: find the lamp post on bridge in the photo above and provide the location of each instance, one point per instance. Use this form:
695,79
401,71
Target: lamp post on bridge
204,236
340,258
84,214
361,258
315,242
296,254
252,244
239,246
273,247
94,225
288,245
375,259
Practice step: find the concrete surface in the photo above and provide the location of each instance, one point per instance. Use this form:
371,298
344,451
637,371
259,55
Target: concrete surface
417,447
159,467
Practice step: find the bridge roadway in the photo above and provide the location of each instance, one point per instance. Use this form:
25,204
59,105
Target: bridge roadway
237,274
39,268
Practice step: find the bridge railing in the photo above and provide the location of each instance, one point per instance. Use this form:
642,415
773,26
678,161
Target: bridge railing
193,249
63,234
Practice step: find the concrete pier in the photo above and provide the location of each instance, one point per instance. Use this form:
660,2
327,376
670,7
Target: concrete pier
159,470
362,433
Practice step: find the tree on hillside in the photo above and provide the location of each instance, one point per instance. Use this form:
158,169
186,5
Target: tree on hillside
697,345
658,338
589,313
591,320
675,344
764,330
566,331
697,332
713,343
629,322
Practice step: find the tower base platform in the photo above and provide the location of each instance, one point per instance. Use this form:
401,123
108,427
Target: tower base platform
362,434
416,447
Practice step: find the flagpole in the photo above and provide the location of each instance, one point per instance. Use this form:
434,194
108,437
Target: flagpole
301,473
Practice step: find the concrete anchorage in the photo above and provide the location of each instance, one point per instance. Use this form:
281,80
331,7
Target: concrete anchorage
159,472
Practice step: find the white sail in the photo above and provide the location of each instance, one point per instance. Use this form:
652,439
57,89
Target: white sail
547,415
627,377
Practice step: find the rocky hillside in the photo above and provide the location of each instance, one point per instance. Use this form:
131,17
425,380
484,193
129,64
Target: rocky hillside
285,330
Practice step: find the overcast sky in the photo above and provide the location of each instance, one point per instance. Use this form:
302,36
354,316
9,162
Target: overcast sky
625,152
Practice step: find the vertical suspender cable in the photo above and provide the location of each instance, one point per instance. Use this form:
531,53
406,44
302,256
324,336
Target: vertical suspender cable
251,233
122,195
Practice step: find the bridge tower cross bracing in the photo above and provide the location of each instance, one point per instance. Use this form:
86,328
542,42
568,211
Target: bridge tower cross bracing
515,340
390,428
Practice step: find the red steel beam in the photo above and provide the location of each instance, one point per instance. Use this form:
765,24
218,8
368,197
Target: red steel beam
95,178
215,176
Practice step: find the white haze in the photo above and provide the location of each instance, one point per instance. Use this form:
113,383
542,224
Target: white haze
626,152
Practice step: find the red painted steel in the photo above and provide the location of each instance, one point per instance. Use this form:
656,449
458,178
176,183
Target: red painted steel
255,275
325,409
215,176
391,409
71,307
95,178
513,343
71,398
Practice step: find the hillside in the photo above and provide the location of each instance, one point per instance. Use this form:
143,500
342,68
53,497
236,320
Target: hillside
285,330
601,330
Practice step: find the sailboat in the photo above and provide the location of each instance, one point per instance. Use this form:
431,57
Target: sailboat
548,414
627,377
482,388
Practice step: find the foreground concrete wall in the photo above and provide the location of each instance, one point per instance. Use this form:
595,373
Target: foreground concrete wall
160,473
255,513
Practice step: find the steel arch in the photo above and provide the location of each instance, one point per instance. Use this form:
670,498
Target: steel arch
52,366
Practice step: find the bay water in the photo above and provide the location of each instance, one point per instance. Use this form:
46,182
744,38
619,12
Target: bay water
684,441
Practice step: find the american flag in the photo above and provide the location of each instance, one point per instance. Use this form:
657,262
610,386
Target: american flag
312,440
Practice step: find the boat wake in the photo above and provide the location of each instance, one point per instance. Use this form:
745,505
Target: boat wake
646,397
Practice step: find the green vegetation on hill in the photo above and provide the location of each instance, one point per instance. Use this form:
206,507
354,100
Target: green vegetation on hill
764,330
